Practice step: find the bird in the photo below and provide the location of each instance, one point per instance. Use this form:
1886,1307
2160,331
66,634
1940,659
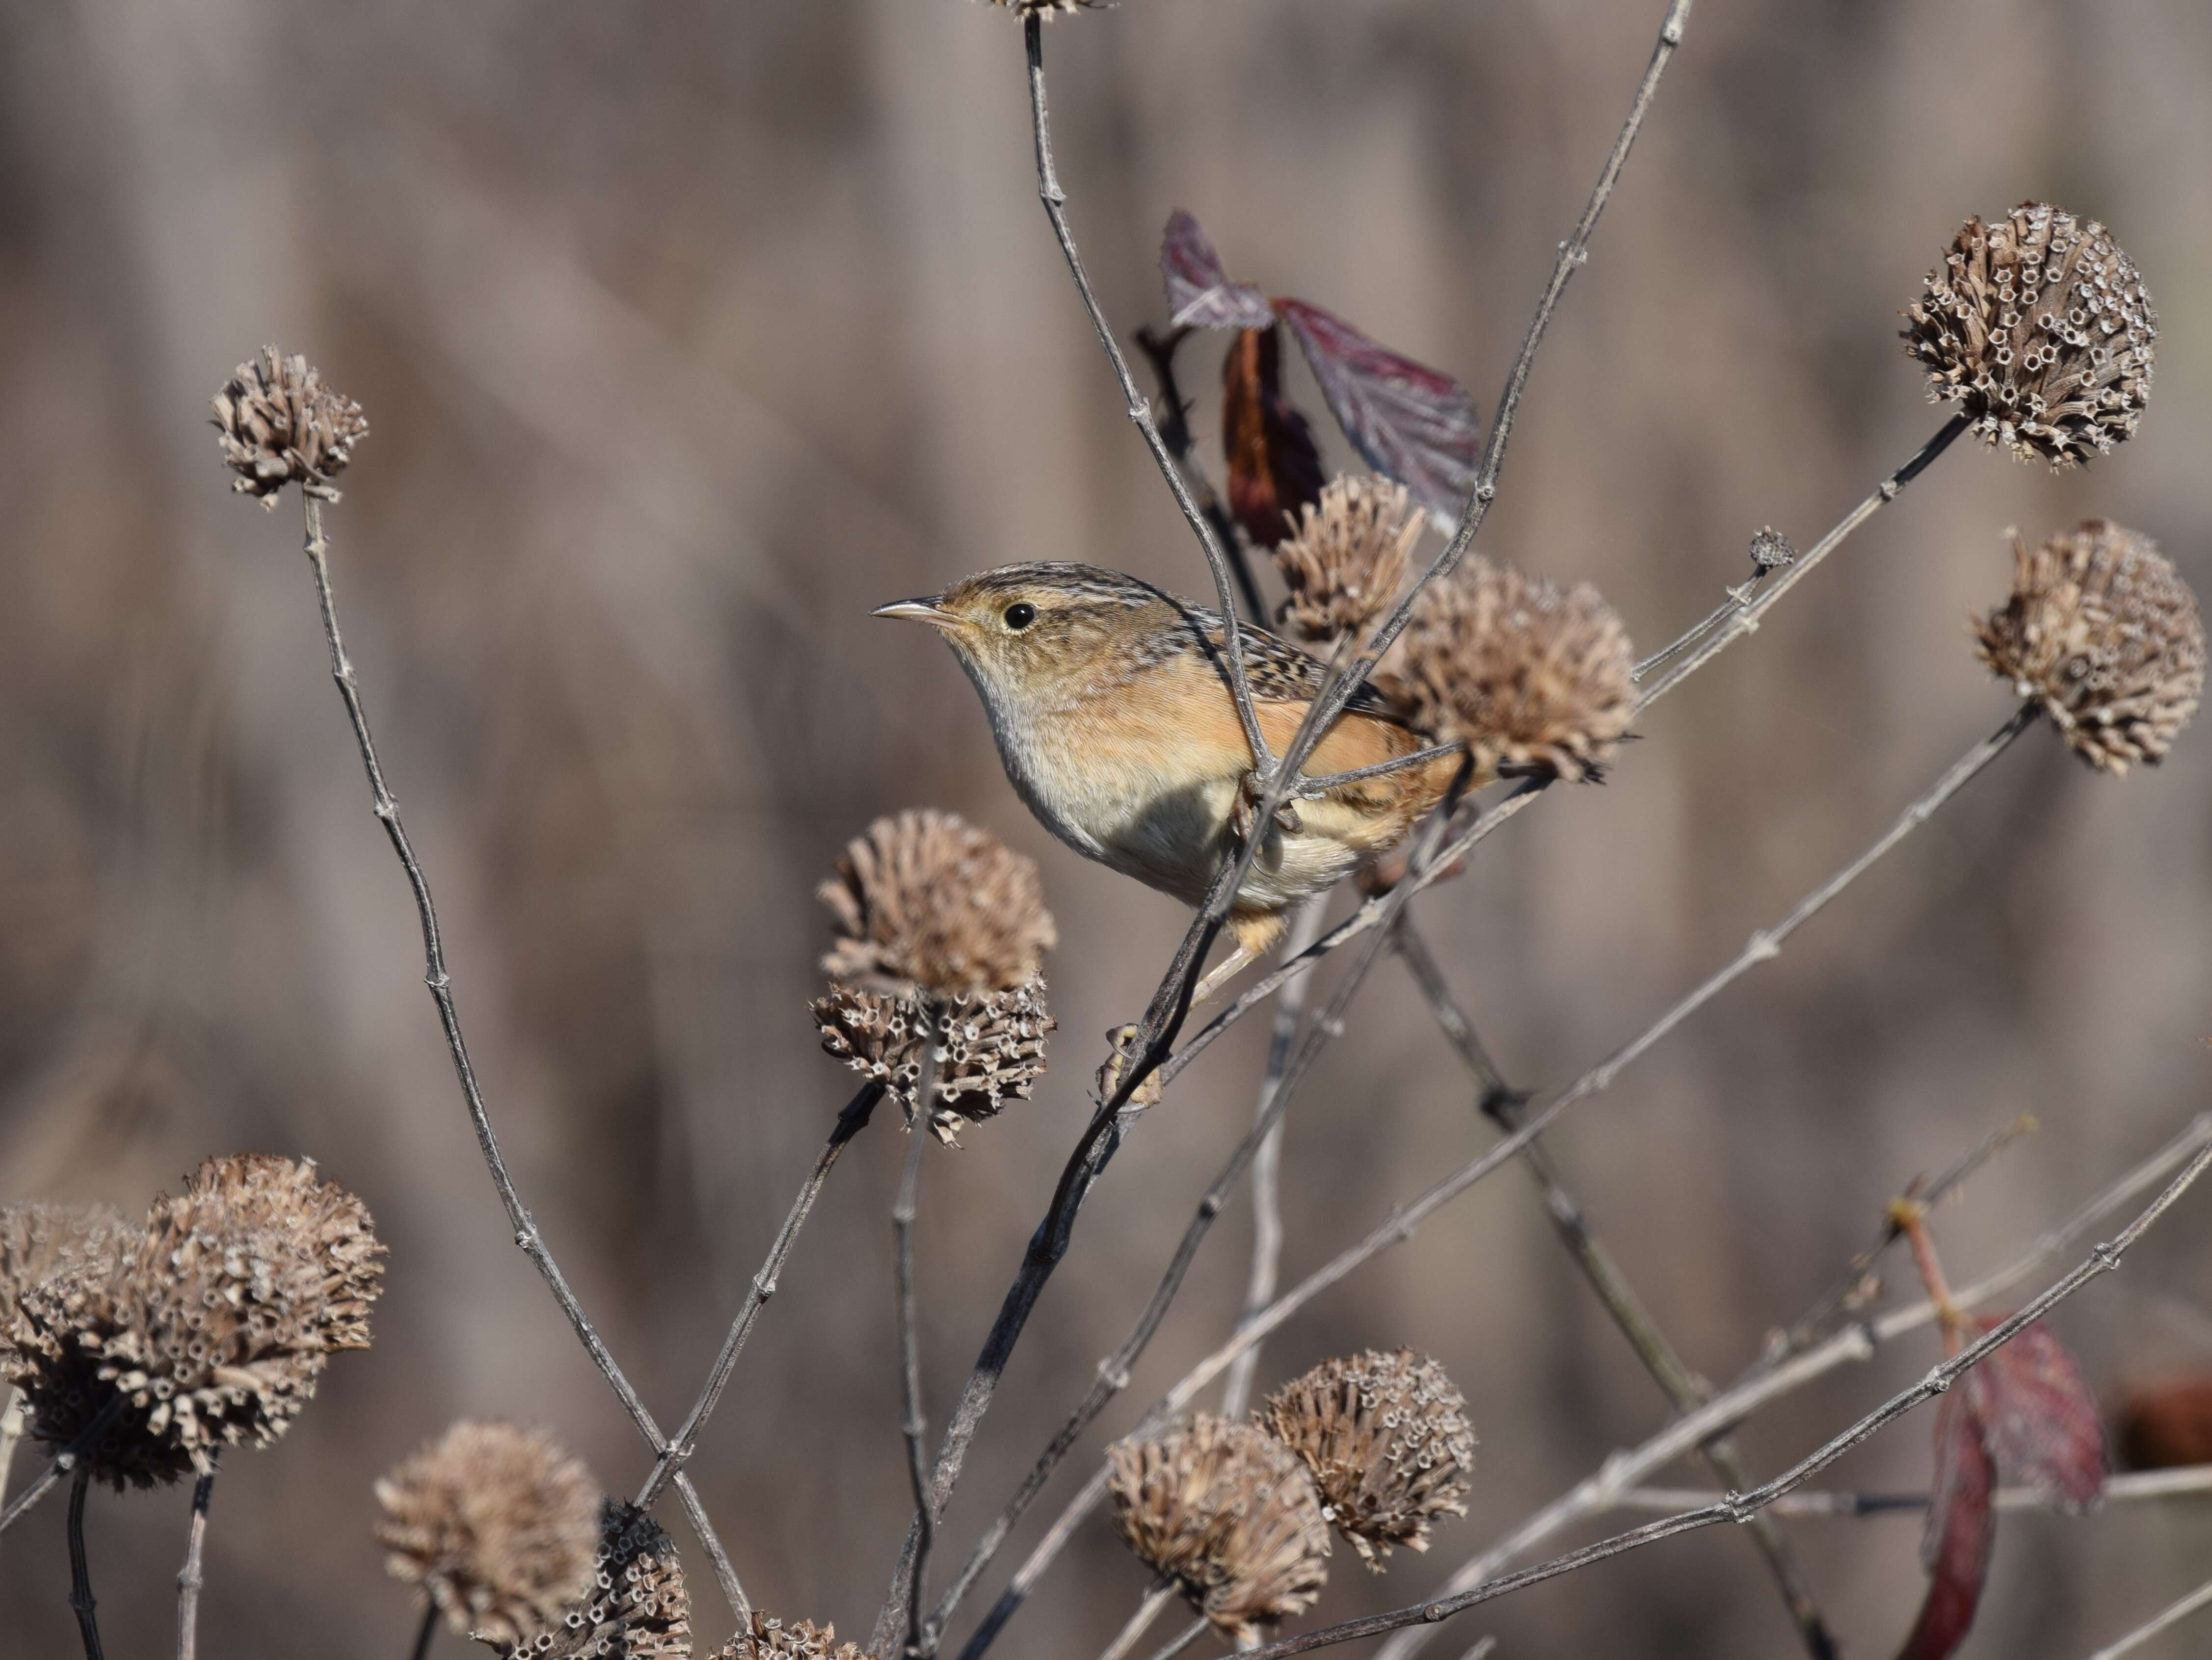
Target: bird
1109,699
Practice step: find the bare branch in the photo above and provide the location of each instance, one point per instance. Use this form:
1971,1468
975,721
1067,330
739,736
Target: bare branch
920,1644
2190,1481
2201,1597
81,1601
1148,1609
190,1578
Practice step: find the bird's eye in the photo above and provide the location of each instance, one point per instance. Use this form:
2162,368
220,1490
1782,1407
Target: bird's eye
1020,615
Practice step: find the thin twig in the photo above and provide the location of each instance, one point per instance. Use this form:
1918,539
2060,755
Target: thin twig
1139,1623
2189,1481
1159,351
2201,1597
190,1578
920,1643
1736,1506
440,983
850,1123
81,1597
1139,411
424,1632
1738,598
63,1463
1191,1633
1267,1165
1763,947
1310,787
1684,1389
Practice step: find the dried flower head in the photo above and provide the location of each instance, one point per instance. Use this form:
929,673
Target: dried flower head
1045,8
766,1638
211,1329
991,1048
497,1525
2103,632
2039,327
1386,1438
39,1242
278,425
1227,1513
927,901
634,1605
1771,550
1521,672
1347,559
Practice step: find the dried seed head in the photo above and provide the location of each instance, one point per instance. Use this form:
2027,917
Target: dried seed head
1771,550
1521,672
39,1242
2039,327
634,1605
931,904
497,1525
278,425
1228,1513
767,1638
991,1048
1347,559
2103,632
1045,8
1386,1439
212,1328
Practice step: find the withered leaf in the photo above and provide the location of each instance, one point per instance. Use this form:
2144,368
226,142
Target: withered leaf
1960,1529
1275,470
1200,293
2037,1417
1413,422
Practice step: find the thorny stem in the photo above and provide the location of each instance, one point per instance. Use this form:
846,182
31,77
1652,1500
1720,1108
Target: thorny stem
850,1123
1766,1384
424,1632
2201,1597
190,1578
1141,1621
81,1597
2102,1259
2189,1481
1267,1165
1399,1225
920,1643
1160,350
1140,411
1683,1388
442,992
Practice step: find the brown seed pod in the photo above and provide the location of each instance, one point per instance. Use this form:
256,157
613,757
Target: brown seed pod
927,902
766,1638
212,1329
991,1048
499,1526
39,1241
2040,328
2105,634
1347,559
1521,672
278,425
1386,1439
634,1606
1228,1513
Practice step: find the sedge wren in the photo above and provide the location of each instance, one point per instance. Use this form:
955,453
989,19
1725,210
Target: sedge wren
1110,703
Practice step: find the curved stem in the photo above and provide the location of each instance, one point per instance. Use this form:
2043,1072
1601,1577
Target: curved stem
81,1601
427,1630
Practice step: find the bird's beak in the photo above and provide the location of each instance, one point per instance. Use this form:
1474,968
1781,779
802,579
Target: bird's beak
925,610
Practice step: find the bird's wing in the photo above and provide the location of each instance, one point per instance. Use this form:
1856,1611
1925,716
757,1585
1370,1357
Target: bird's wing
1278,672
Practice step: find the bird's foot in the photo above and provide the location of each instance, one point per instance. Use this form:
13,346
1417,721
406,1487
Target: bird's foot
1251,790
1147,1093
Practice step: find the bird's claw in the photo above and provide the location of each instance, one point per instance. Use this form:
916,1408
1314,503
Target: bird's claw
1251,790
1146,1093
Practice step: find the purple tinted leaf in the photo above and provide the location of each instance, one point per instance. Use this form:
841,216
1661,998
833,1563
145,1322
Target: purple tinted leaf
1961,1527
1200,293
1273,468
1409,420
2038,1418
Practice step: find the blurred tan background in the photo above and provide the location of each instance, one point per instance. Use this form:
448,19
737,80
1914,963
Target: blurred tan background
689,332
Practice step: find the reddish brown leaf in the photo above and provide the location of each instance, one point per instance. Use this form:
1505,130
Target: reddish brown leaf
1273,468
2037,1417
1200,293
1409,420
2165,1425
1961,1526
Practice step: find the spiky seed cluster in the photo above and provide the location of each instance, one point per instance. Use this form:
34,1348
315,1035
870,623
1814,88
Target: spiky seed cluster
497,1525
2102,631
278,425
213,1329
766,1638
1386,1438
1521,672
931,904
39,1242
1228,1513
991,1048
1045,8
1347,559
2040,328
634,1606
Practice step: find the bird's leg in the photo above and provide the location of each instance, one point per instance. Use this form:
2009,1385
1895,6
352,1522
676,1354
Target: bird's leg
1256,933
1251,790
